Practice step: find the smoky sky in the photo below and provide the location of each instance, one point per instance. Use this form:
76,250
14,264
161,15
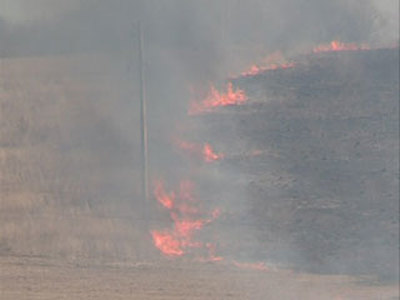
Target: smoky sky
98,25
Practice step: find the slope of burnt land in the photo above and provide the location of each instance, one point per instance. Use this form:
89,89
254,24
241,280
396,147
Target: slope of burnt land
323,181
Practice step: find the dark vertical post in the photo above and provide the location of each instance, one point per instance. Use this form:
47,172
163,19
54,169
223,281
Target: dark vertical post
143,120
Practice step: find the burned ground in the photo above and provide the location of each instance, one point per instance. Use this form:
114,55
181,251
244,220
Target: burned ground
323,188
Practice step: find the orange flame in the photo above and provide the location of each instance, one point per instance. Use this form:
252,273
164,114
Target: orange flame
209,155
163,198
185,228
216,99
167,243
206,152
336,46
256,70
186,218
273,61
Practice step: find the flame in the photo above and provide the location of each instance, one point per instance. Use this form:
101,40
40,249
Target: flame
336,46
163,198
187,220
209,154
273,61
256,70
206,151
167,243
186,228
217,99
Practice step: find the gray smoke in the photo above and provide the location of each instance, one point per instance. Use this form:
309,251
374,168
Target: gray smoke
187,43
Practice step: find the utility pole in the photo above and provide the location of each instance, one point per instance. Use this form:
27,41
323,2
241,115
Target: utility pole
143,121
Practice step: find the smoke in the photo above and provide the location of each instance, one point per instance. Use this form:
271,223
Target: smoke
386,28
187,44
197,41
206,24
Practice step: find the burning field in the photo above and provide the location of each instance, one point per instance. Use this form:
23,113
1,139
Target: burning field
292,168
199,150
287,170
304,141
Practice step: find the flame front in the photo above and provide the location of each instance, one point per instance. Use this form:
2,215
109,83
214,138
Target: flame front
187,216
256,70
187,220
274,61
336,46
217,99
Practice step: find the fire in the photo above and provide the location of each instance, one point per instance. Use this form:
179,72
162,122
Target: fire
273,61
256,70
163,198
217,99
209,154
336,46
206,152
167,243
187,220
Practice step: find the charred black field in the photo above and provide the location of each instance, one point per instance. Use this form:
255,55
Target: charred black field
322,183
322,186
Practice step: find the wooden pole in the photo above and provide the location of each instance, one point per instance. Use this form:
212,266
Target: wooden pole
143,120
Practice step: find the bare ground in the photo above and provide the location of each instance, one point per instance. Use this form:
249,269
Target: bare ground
37,278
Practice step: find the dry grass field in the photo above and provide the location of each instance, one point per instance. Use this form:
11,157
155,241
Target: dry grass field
60,160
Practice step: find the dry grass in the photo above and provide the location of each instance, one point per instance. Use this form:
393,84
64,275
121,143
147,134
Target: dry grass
53,191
